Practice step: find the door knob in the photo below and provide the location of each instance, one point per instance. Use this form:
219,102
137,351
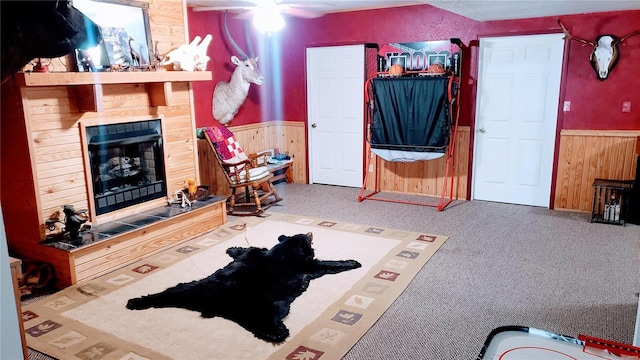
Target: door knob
313,125
482,130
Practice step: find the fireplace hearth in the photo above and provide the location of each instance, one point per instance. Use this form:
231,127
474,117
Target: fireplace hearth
127,164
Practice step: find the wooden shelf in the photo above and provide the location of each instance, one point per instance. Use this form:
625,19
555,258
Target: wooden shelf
88,85
91,78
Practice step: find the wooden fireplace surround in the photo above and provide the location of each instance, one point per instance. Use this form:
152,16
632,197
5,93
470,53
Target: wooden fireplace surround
43,166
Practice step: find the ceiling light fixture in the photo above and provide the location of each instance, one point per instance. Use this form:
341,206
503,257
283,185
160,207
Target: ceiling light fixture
267,18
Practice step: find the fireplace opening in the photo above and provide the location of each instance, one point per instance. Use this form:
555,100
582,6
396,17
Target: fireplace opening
127,164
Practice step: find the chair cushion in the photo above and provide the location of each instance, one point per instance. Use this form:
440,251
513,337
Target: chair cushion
254,174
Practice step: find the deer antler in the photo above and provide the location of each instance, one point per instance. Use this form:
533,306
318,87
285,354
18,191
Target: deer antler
637,32
567,35
233,43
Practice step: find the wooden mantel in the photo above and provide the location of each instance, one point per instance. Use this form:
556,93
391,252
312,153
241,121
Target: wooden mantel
88,85
108,77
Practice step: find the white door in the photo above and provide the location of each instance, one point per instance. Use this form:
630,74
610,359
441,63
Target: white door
335,109
516,118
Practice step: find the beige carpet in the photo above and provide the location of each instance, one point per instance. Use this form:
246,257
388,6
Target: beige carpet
90,321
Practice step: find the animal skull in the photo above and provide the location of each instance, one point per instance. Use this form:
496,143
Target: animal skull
605,54
190,57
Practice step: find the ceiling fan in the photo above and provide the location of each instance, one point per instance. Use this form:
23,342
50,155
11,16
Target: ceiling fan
251,8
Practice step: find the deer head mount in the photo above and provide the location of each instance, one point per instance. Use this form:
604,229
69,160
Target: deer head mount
229,96
605,53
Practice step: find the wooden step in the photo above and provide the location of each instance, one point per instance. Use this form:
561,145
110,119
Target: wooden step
108,251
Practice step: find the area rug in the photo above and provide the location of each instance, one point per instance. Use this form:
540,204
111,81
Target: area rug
90,321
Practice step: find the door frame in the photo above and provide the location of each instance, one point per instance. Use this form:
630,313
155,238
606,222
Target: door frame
308,128
473,82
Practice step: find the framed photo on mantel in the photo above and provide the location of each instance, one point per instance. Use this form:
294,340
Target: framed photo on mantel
125,31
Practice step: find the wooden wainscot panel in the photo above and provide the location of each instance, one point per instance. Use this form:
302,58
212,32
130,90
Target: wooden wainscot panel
423,177
253,137
291,139
286,136
167,20
462,162
586,155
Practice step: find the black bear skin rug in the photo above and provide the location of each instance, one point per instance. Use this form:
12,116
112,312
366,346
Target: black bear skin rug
255,290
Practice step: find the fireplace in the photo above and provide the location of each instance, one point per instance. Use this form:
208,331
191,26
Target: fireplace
127,164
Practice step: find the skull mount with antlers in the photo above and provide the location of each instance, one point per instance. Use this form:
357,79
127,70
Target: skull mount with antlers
605,53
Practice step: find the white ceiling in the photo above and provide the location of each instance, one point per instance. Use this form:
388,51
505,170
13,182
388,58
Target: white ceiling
480,10
488,10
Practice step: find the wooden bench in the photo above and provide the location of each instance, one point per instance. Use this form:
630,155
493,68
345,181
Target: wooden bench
287,174
286,165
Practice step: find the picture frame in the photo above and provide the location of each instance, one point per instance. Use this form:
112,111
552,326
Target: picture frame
126,34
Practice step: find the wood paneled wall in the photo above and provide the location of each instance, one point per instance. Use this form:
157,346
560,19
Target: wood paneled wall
286,136
53,119
121,101
41,125
425,177
422,178
586,155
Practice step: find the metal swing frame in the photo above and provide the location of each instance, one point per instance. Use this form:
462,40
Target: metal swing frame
450,170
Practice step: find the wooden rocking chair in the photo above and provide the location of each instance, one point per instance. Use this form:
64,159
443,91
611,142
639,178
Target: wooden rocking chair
241,172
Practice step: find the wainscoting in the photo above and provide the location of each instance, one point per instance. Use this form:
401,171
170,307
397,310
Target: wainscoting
586,155
286,136
423,178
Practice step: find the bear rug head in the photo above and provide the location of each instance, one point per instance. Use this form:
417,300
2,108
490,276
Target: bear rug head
255,290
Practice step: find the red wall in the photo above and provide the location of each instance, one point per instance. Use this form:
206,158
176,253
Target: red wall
594,104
